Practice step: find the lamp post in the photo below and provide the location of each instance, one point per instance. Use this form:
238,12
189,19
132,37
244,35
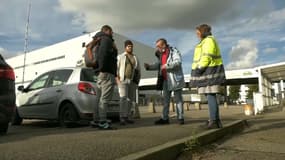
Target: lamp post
26,40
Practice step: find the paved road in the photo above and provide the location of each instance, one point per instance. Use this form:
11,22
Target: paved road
46,140
264,139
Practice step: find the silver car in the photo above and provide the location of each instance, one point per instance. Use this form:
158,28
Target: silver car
67,95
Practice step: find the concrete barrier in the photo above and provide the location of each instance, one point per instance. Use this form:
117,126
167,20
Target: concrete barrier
171,150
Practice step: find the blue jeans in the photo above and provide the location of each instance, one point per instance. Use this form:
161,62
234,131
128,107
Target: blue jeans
166,100
213,106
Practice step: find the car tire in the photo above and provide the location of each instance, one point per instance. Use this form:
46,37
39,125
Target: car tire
4,123
68,116
17,120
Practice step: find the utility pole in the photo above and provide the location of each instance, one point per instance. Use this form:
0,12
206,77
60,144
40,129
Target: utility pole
26,40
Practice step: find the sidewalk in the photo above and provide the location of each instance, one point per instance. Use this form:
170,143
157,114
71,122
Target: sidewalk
264,139
43,141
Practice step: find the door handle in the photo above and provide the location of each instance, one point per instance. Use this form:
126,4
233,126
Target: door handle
58,90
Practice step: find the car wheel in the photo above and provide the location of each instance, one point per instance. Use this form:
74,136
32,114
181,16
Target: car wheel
4,123
17,120
68,116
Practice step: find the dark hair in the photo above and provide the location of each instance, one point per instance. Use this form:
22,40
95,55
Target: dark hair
128,42
163,40
106,28
205,30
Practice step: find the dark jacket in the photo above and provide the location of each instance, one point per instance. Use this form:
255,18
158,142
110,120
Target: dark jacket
106,54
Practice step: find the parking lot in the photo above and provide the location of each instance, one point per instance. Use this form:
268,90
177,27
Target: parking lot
47,140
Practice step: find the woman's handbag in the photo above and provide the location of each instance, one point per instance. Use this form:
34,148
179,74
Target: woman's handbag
136,77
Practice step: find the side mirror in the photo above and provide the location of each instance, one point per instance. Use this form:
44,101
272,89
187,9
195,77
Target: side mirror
21,88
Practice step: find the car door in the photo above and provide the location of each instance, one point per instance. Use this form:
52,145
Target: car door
51,95
29,98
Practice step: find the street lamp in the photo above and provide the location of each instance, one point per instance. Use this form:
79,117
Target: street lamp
26,40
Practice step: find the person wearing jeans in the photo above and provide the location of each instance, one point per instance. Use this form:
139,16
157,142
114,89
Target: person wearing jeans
170,78
208,73
166,101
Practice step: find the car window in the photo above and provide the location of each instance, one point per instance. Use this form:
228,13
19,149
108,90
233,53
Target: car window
60,77
39,82
88,75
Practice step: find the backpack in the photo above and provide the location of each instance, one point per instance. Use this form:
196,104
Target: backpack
90,53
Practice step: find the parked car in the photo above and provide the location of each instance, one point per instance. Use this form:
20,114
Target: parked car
7,95
67,95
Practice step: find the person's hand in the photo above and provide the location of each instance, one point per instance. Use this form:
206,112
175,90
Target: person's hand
118,80
146,66
163,66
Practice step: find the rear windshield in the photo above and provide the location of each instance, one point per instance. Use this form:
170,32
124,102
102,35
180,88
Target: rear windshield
88,75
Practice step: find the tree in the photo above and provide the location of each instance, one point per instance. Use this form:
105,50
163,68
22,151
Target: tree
234,92
251,88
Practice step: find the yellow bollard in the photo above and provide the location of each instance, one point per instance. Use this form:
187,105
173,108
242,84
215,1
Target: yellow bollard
226,105
186,106
198,105
151,107
248,109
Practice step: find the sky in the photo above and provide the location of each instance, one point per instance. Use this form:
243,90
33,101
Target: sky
249,32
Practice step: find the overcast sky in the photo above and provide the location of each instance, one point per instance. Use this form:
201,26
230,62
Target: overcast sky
249,32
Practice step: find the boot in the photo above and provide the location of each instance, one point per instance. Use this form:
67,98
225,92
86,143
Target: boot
212,124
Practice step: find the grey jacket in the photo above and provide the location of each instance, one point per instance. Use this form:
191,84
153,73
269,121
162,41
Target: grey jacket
175,76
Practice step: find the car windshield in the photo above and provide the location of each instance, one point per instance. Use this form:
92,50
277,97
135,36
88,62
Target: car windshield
88,75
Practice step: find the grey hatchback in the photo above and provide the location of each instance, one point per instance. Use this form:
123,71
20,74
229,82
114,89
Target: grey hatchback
67,95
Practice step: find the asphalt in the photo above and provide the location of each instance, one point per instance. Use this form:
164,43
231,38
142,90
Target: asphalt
262,139
46,140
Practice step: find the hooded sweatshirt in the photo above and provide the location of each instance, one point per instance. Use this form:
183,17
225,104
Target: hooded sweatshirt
106,54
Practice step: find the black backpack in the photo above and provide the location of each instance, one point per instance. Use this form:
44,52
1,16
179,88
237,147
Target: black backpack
90,53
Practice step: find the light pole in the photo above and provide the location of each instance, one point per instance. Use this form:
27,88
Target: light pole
26,40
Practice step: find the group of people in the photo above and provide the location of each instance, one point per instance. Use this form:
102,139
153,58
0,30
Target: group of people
124,71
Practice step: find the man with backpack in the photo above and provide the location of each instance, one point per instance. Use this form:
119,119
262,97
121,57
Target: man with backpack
106,68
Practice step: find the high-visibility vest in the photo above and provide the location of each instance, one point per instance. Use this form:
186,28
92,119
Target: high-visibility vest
207,66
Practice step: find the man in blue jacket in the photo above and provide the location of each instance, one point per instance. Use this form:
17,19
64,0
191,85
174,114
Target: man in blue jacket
171,78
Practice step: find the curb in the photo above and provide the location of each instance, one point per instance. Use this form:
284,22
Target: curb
170,150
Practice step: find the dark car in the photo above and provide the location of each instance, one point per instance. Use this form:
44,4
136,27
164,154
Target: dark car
7,95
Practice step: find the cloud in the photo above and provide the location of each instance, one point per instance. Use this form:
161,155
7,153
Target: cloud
148,14
5,53
187,42
270,22
243,55
282,39
2,50
270,50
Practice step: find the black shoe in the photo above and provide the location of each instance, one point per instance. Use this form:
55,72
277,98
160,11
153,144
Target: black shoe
219,123
181,121
94,124
125,120
129,121
122,122
161,121
105,126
